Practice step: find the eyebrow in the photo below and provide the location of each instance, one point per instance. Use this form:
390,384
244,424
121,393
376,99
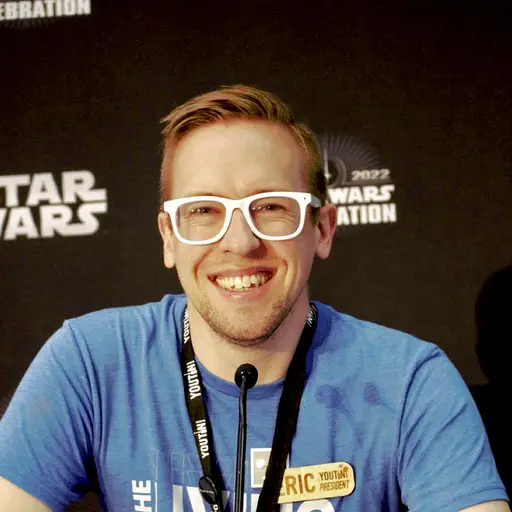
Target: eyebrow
194,194
255,191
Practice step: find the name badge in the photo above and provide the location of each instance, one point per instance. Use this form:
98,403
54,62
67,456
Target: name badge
315,482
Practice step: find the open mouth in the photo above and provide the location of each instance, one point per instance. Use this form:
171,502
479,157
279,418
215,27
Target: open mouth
244,282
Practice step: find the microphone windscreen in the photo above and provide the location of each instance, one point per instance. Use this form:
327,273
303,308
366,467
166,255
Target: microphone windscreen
249,373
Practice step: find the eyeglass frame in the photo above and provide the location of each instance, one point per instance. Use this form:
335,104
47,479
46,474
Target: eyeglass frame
304,199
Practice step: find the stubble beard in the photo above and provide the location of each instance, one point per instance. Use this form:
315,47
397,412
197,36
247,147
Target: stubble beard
249,329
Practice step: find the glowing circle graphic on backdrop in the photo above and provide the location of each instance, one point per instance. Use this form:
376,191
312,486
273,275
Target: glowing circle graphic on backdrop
344,154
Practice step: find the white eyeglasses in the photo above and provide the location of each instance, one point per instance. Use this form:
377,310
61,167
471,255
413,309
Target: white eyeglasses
201,220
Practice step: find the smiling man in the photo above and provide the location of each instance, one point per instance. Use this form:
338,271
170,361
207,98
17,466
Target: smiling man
139,404
246,292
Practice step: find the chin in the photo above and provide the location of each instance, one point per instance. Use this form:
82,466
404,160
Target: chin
248,328
247,337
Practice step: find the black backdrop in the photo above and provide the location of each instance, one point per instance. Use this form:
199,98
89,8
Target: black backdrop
428,89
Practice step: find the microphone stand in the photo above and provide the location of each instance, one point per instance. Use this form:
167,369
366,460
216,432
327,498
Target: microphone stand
245,377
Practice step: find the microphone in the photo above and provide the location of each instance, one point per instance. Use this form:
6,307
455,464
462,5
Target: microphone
246,377
248,373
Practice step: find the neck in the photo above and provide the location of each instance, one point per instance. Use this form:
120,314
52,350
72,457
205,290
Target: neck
271,357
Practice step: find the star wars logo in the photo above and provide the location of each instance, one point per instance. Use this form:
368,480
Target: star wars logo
369,204
359,186
34,206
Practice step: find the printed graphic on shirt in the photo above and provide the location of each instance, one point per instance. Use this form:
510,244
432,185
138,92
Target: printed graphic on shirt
186,498
145,496
43,205
259,463
148,495
358,184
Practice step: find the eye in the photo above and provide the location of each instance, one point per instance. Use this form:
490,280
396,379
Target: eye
268,207
202,210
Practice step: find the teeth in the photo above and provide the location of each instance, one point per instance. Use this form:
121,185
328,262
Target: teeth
242,282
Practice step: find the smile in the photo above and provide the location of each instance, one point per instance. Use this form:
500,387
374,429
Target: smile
245,282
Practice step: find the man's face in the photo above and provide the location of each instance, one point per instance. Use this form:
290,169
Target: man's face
236,159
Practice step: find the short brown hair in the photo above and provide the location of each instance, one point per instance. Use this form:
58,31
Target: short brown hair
243,102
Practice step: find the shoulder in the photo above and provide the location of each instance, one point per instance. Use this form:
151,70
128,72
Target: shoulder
129,320
363,356
380,346
100,333
143,314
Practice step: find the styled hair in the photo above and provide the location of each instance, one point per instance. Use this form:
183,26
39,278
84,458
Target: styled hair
238,102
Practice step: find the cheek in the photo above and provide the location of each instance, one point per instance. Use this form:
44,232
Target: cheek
298,255
306,254
188,259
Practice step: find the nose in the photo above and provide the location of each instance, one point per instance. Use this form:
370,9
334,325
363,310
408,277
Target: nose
239,238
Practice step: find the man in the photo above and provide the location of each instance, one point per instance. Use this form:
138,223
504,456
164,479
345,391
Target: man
139,403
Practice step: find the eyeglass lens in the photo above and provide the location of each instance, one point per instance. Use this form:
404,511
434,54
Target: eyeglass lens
272,216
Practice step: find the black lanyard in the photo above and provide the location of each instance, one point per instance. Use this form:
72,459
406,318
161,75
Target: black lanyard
211,483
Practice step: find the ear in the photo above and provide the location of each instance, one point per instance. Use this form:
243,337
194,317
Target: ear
164,226
326,227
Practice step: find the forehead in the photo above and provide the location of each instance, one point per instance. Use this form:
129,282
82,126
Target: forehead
238,158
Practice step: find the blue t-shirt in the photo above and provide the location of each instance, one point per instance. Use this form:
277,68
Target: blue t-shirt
102,407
